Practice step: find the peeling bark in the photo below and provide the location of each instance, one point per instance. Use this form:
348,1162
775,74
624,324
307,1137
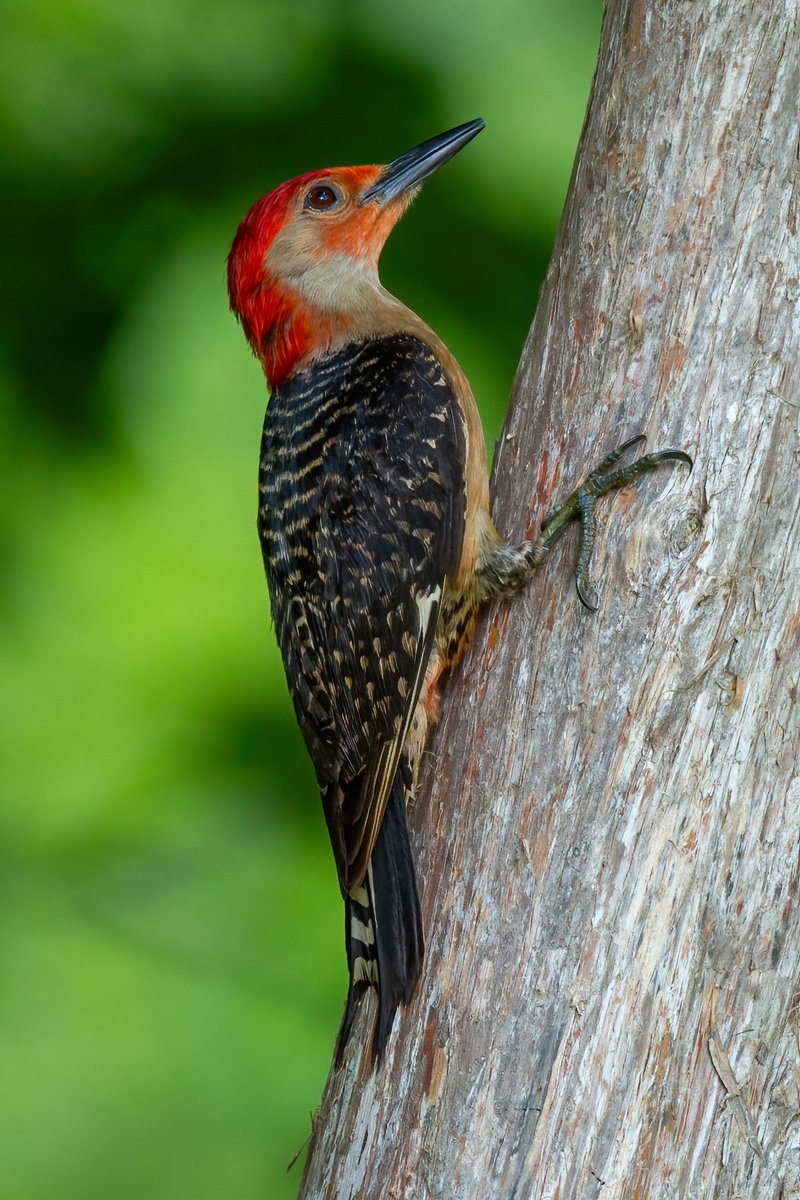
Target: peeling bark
608,835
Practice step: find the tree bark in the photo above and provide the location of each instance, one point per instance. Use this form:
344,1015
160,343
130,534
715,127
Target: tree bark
608,835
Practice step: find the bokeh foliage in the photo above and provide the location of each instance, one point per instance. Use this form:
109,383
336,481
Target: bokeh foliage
171,961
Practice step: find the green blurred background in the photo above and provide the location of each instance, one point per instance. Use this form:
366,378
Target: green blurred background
165,1031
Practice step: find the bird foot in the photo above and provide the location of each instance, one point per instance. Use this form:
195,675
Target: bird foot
580,506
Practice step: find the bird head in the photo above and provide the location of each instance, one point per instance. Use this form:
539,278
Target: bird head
304,263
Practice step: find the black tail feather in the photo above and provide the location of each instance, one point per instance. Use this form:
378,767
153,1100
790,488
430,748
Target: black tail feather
383,926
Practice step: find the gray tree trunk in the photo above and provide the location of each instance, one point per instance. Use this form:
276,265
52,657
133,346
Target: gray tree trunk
608,835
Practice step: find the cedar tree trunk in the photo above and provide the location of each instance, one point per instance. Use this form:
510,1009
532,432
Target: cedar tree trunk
607,837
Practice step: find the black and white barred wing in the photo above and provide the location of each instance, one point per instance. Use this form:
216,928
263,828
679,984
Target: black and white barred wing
358,566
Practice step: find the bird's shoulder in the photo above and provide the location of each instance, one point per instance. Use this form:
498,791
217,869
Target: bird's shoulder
366,430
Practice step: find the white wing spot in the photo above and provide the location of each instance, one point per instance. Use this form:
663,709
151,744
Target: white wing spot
424,606
364,971
364,933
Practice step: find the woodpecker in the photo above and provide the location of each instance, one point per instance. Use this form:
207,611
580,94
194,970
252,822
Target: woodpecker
374,522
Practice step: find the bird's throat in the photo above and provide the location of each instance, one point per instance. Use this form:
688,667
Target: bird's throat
286,332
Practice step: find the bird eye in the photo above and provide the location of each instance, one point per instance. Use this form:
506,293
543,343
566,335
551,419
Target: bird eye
322,198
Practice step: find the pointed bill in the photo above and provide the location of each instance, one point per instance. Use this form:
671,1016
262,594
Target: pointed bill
417,164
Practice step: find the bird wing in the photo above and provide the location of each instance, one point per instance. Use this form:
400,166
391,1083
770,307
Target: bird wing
362,522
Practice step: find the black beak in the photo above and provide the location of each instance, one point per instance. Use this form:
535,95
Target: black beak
419,163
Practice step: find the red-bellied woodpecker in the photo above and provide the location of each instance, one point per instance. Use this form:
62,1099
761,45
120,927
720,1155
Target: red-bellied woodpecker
374,522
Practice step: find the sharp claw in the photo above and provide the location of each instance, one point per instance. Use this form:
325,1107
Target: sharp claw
613,458
672,456
639,439
580,588
581,504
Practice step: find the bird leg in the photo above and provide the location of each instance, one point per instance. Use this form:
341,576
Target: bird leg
508,568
